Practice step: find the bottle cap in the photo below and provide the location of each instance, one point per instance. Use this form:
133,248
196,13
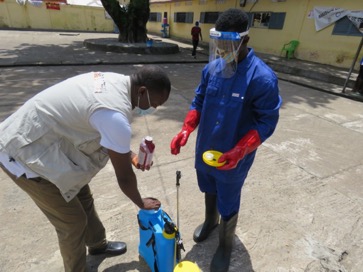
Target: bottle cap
148,139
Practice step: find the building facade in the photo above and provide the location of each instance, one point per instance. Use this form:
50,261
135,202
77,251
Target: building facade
54,15
273,24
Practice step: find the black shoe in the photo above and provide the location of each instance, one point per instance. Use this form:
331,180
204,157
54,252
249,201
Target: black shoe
112,248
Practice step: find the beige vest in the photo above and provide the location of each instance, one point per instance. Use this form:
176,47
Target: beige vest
51,134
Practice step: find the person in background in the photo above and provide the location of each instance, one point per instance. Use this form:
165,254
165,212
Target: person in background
54,144
236,108
196,32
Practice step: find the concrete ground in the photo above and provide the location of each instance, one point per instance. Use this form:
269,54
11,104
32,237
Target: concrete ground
302,203
34,48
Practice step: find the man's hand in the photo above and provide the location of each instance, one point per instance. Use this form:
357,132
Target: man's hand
151,203
190,123
231,158
246,145
178,141
135,162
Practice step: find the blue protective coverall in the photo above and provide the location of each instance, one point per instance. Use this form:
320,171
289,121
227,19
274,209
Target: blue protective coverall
229,109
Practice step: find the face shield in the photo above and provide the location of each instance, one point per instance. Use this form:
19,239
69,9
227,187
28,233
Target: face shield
223,52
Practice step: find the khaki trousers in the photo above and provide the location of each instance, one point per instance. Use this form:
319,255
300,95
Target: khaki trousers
77,223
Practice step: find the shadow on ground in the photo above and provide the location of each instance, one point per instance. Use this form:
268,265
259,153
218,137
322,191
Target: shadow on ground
202,255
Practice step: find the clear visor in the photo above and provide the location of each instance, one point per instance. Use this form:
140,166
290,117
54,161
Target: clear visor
223,52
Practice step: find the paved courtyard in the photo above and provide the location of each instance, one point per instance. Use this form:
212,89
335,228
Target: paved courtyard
302,203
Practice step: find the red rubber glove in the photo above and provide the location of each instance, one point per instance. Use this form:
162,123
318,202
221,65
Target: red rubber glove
246,145
191,121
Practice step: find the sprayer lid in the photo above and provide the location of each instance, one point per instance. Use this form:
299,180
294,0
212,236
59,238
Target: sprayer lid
211,157
186,266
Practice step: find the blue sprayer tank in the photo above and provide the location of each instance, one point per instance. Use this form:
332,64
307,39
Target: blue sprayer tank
158,236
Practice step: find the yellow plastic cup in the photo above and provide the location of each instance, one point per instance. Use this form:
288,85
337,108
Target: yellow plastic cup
186,266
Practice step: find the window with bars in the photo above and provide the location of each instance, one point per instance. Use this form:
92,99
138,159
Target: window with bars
209,17
269,20
260,19
183,17
155,17
345,27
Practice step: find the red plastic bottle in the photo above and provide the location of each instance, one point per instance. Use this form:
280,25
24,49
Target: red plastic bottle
146,152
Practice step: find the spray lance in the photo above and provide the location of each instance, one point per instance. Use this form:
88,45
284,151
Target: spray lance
171,229
179,241
184,266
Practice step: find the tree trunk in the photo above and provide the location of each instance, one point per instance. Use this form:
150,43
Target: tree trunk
131,20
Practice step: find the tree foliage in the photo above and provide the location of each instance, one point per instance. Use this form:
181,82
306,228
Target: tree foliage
131,19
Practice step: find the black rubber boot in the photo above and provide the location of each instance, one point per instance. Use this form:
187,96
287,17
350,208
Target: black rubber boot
211,219
358,86
222,257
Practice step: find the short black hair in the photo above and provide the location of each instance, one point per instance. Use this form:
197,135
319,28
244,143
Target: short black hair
153,77
232,19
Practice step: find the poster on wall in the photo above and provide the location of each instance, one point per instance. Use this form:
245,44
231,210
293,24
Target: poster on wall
325,16
52,5
55,4
36,3
356,17
89,3
21,2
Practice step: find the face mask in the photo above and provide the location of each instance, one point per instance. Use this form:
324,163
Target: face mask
229,56
142,112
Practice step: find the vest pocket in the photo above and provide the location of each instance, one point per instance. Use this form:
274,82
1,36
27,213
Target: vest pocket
64,166
79,158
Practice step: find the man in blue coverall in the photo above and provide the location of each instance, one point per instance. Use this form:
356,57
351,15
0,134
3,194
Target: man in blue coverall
236,106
